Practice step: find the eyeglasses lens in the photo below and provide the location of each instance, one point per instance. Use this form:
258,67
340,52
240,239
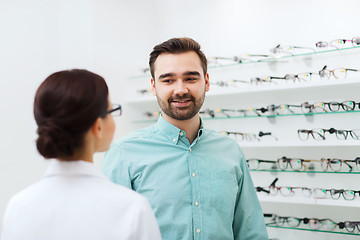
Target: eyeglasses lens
314,223
356,41
340,73
335,164
253,163
349,194
335,194
349,226
318,134
319,193
306,192
348,105
282,163
303,134
296,164
328,224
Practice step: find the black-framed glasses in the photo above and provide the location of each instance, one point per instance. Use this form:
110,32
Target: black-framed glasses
319,133
115,111
337,72
349,225
347,194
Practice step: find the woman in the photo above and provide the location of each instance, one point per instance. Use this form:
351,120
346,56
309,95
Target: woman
74,200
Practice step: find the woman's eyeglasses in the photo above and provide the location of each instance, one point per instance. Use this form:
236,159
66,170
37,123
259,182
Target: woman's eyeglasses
115,111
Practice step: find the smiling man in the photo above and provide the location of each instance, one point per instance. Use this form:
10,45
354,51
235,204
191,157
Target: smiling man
195,179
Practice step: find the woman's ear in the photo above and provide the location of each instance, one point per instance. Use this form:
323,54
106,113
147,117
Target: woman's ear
97,128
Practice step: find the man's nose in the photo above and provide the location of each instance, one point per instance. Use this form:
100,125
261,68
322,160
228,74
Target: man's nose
180,88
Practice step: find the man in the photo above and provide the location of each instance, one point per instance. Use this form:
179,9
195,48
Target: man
195,179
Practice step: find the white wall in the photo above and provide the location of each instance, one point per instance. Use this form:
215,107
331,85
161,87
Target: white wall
40,37
114,38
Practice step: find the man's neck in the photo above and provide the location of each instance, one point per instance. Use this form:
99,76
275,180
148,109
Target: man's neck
190,126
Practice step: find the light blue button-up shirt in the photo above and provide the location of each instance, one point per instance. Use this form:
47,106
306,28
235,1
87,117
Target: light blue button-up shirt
201,190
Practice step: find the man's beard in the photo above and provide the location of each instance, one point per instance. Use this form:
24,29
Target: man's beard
181,113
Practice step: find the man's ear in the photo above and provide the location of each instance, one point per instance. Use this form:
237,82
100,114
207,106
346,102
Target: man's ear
153,86
97,128
207,82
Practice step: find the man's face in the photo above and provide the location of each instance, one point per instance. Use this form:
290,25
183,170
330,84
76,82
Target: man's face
179,84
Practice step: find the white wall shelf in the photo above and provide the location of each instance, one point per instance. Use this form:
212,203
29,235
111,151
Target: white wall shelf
310,201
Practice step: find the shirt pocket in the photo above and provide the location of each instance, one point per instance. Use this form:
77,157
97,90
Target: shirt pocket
224,188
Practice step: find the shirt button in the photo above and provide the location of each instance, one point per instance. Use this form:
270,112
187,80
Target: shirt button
174,139
196,203
181,133
198,230
193,174
190,149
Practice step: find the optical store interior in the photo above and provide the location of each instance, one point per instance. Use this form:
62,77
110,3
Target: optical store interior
284,83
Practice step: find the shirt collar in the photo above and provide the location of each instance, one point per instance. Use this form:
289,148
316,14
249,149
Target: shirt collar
72,168
172,132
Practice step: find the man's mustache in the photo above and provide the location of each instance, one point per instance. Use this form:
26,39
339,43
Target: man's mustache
181,98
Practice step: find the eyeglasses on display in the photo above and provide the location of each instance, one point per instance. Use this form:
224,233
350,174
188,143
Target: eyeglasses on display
250,137
291,49
313,223
349,226
208,112
339,43
298,164
336,164
337,72
319,134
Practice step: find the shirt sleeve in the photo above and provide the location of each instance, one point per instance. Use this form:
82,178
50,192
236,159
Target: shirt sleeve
146,226
249,220
116,166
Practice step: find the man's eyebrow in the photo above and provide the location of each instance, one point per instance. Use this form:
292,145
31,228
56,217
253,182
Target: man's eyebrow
196,73
165,75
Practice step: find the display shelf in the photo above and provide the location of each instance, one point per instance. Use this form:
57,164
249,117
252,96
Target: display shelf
228,91
278,115
265,60
310,143
256,116
313,230
310,201
309,172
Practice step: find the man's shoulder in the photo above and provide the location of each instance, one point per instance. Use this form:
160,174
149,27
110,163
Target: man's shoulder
142,134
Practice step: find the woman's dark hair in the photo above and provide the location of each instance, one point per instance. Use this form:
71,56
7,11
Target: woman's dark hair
66,105
177,46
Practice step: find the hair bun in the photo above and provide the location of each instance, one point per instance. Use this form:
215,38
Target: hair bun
54,141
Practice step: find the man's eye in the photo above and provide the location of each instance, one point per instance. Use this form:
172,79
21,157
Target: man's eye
191,79
167,80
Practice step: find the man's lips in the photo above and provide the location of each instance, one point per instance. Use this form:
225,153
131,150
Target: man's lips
181,102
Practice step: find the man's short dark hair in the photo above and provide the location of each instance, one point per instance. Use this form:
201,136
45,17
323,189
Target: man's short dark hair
177,46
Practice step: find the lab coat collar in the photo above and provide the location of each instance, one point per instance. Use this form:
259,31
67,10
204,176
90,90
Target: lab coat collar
72,168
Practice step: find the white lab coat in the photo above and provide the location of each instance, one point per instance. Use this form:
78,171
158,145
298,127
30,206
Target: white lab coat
74,201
